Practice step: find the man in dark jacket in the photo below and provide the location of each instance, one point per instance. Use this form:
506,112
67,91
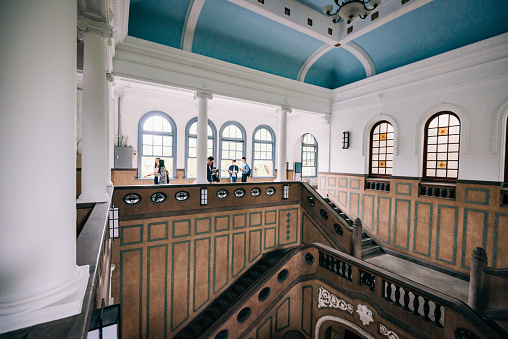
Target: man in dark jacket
233,171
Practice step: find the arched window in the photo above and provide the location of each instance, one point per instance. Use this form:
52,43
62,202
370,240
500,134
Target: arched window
381,149
232,145
191,132
156,139
309,155
263,141
441,149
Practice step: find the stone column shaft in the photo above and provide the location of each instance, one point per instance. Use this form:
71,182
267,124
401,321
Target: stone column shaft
202,135
282,143
38,272
478,263
95,122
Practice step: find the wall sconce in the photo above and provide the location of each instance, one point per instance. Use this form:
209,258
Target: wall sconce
345,140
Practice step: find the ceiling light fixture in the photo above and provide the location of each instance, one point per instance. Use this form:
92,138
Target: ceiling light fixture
350,9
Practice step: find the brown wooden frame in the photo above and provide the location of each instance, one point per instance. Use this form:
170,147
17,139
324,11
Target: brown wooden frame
425,151
377,175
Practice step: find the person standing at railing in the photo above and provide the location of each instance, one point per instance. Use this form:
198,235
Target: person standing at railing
163,174
155,171
244,167
233,171
210,170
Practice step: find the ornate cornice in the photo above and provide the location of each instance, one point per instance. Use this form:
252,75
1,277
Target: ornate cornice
203,94
100,28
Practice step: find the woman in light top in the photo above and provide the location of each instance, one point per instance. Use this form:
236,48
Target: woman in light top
155,171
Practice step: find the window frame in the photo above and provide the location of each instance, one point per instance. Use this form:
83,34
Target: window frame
425,151
263,142
187,136
141,122
374,175
315,155
222,139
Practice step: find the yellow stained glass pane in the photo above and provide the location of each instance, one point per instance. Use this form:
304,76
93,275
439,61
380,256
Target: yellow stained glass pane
441,164
443,131
382,136
382,164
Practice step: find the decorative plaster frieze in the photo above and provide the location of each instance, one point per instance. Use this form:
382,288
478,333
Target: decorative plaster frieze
419,129
365,314
100,28
327,299
497,127
368,127
384,331
203,94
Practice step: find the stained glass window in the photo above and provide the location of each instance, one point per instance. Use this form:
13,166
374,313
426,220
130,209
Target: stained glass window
264,152
442,143
381,149
309,155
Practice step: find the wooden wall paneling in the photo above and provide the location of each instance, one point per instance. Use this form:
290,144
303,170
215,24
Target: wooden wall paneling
446,233
238,253
500,251
288,226
156,291
180,283
131,291
307,309
384,219
402,224
474,233
422,234
368,204
201,273
220,262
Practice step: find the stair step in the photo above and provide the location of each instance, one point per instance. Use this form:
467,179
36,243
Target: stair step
366,241
370,249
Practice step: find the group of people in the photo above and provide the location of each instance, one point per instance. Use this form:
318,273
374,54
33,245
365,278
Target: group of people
212,174
160,173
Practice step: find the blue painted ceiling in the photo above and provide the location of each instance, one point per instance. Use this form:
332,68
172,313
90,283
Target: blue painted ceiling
228,32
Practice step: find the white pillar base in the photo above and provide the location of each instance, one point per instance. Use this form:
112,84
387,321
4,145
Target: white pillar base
84,198
109,184
60,303
280,180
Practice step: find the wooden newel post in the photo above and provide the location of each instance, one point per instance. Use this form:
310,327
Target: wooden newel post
357,238
478,263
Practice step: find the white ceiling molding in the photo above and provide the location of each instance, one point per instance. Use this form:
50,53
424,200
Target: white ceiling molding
363,57
191,20
388,10
121,19
363,94
274,10
311,60
143,60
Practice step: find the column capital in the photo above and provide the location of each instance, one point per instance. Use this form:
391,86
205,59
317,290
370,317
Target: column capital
110,77
284,108
100,28
203,94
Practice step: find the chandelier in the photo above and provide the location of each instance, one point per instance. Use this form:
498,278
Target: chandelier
350,9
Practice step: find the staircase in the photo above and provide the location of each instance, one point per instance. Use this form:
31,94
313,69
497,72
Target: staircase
369,247
223,303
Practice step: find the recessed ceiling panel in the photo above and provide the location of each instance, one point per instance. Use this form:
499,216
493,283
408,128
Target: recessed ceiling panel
159,21
435,28
335,68
231,33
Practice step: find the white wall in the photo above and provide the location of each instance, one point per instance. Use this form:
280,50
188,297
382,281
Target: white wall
471,81
140,98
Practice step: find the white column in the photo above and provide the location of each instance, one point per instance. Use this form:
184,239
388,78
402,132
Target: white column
110,106
39,279
94,144
282,142
202,137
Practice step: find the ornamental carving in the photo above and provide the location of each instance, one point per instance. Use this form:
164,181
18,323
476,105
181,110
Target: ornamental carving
203,94
365,314
100,28
390,334
327,299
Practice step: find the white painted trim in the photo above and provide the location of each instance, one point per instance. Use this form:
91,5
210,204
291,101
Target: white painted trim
499,135
365,91
191,21
362,56
388,10
143,60
289,21
419,131
311,60
343,321
366,137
